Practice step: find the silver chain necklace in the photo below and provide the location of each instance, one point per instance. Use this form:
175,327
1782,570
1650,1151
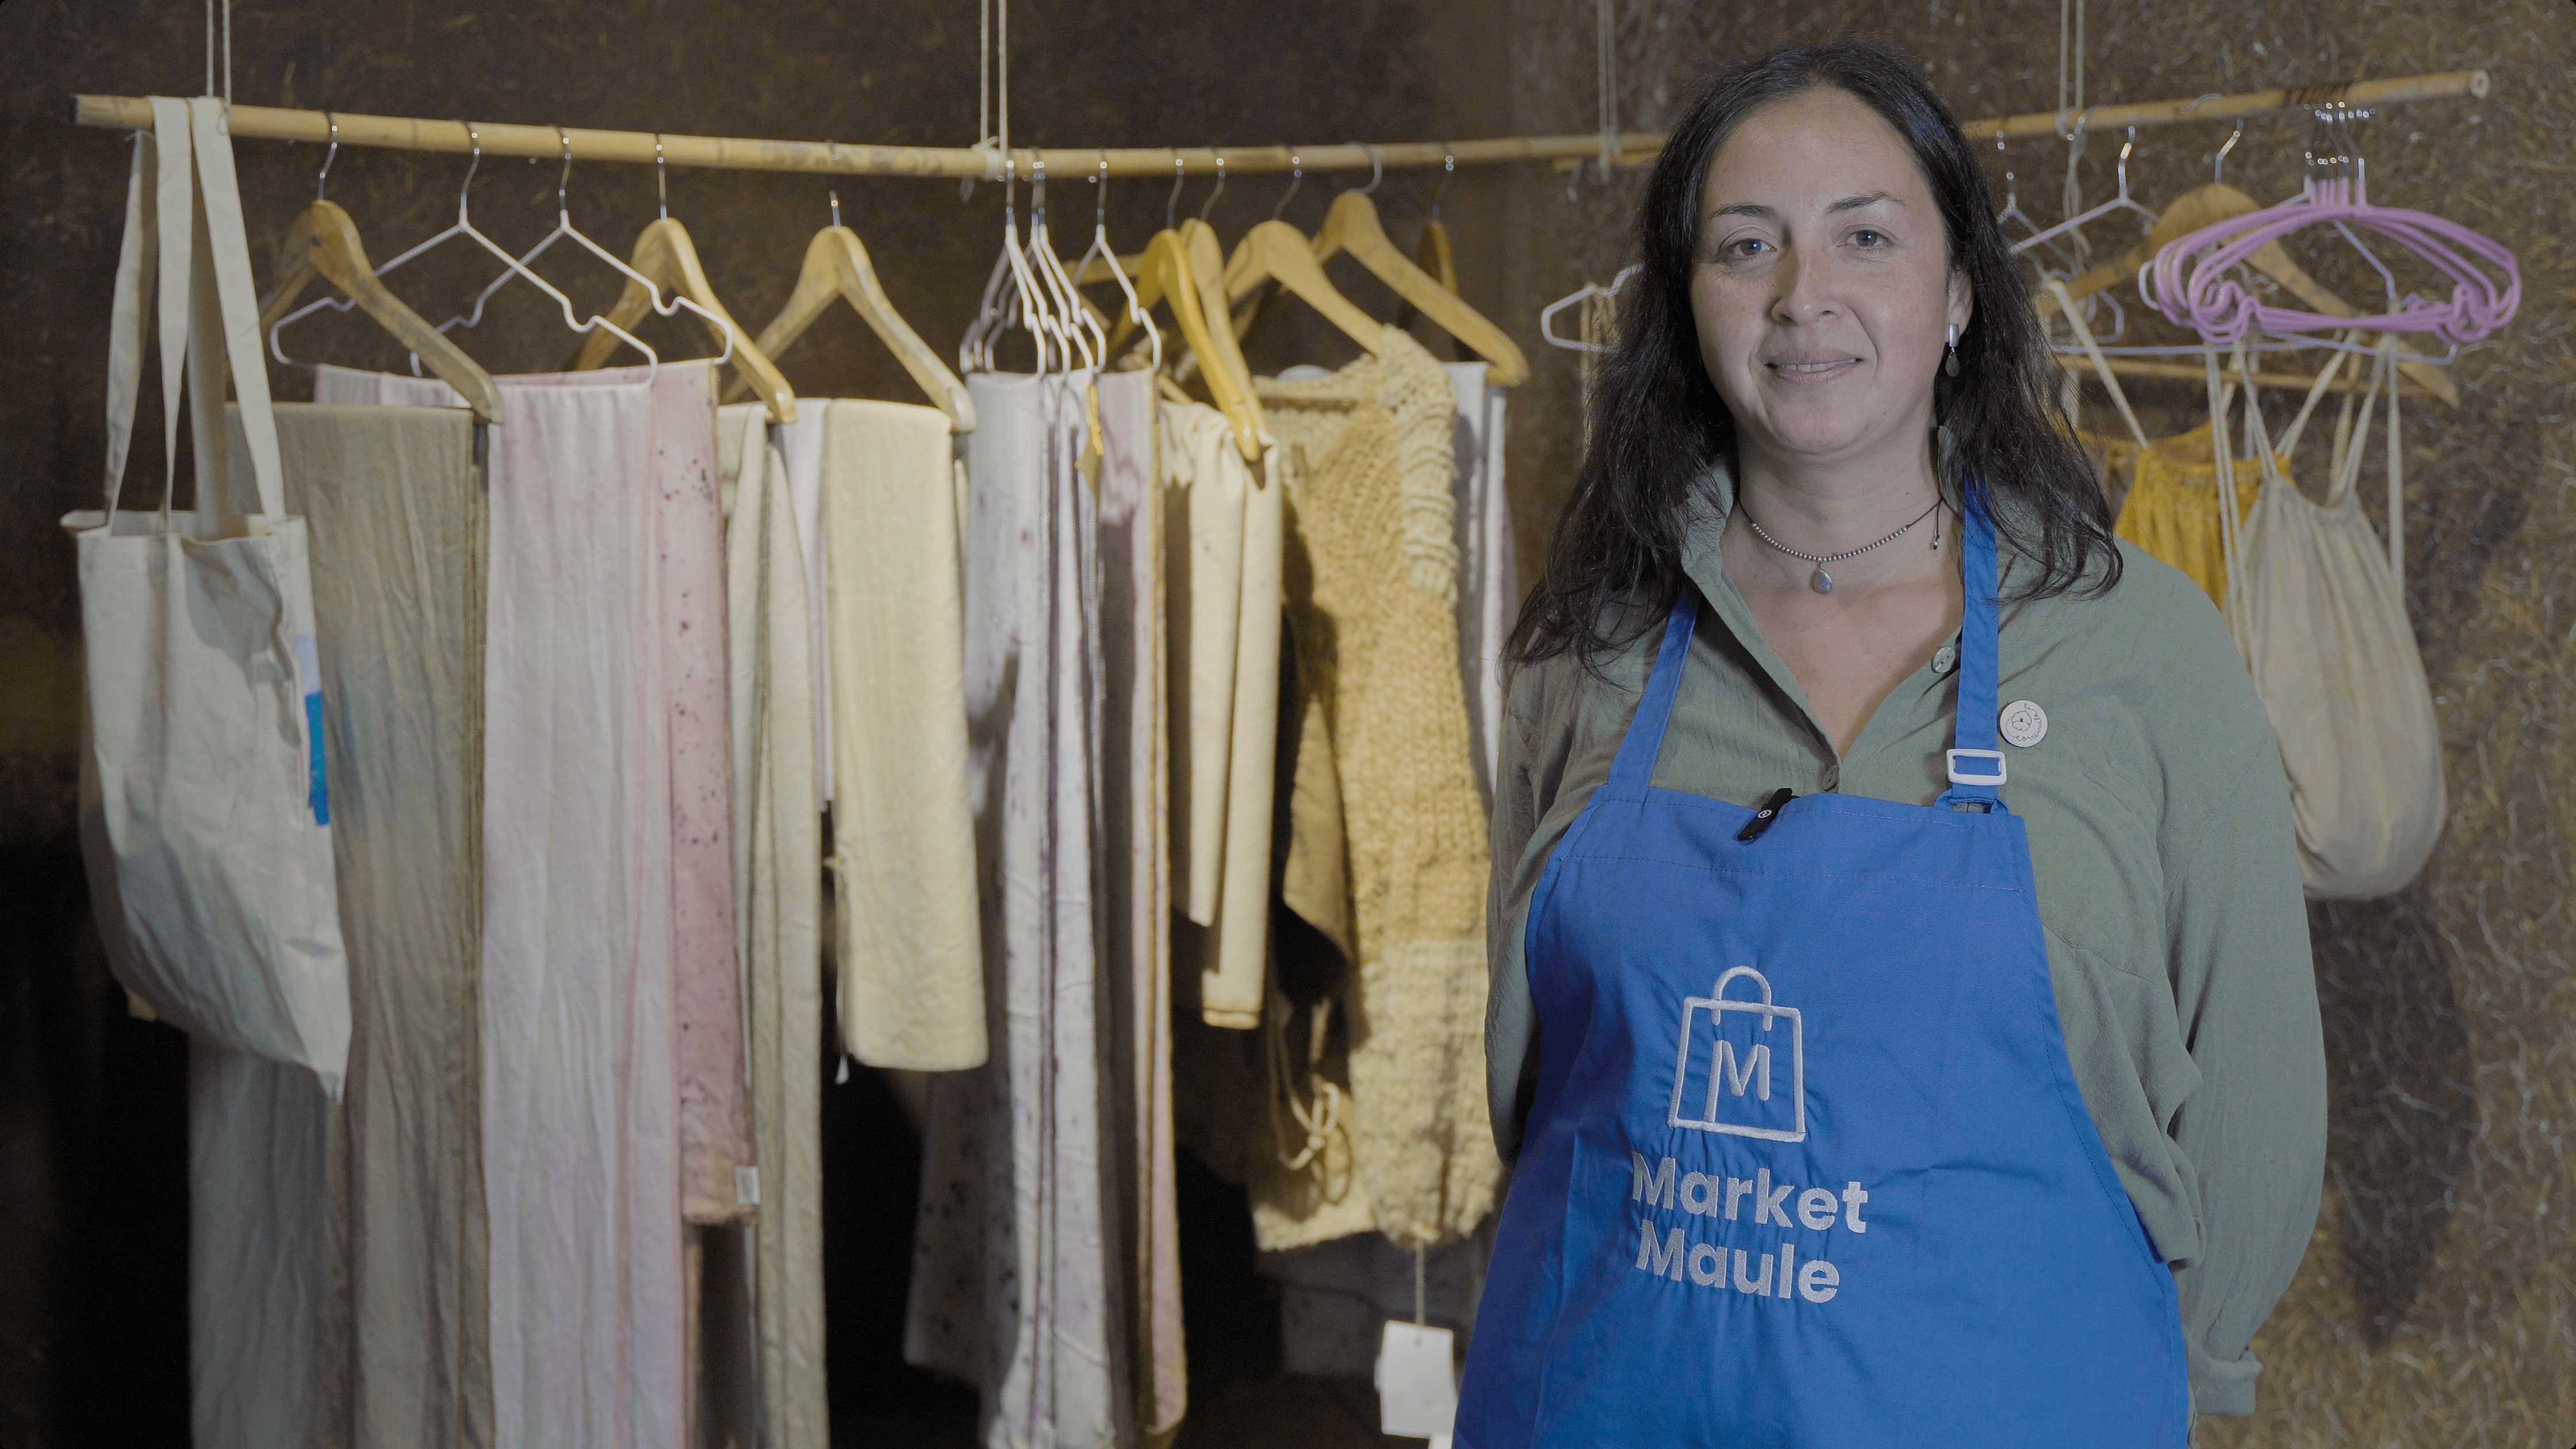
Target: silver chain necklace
1821,581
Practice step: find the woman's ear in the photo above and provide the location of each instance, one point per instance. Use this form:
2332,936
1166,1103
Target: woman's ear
1962,300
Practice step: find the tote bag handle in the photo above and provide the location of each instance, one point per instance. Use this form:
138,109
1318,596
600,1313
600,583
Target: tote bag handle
208,313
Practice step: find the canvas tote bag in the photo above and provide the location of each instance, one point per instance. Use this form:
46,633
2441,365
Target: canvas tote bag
2319,608
205,821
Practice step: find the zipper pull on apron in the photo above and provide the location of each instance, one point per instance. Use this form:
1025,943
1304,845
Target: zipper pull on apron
1763,817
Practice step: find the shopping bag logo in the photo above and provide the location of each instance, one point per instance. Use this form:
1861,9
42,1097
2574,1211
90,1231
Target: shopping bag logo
1741,1066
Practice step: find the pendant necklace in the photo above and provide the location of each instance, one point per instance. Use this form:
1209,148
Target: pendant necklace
1821,581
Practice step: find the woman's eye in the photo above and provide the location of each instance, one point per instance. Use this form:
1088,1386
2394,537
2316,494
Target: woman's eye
1869,238
1744,246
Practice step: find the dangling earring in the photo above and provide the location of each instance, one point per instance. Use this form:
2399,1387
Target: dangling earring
1950,363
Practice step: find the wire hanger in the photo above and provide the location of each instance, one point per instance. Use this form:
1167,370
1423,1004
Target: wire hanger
2120,202
1547,315
836,266
2189,281
1107,259
666,257
600,328
1082,326
324,242
565,229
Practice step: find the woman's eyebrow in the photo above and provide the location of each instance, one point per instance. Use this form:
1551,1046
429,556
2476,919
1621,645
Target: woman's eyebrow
1848,203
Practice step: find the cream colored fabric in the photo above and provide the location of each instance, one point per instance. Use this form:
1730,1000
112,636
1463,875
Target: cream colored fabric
1204,539
1224,544
777,853
2319,608
903,865
395,505
1371,587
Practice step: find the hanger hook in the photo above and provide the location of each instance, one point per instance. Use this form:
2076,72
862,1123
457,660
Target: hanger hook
1377,170
1100,198
2218,166
2126,146
475,140
832,158
2081,117
1171,203
661,179
565,180
1220,185
1037,190
322,178
1296,178
1448,170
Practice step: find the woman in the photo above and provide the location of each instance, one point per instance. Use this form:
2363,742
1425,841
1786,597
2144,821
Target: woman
1882,1066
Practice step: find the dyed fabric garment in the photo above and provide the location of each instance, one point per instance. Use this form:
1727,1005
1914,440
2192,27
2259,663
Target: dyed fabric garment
2172,506
1489,590
339,1255
1013,1287
586,1298
801,442
777,863
1136,870
1372,592
906,936
1224,545
1203,540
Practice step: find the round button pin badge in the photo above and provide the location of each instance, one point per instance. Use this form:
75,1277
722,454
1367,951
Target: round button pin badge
2023,723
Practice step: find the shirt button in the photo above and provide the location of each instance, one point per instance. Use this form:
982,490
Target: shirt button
1943,659
1833,778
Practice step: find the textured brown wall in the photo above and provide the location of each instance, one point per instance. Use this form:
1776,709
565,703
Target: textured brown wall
2433,1307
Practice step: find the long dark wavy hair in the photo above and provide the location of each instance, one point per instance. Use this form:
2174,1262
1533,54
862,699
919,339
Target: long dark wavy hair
1614,567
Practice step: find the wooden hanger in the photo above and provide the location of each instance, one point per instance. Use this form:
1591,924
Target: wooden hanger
2206,206
1274,251
324,242
1433,256
836,267
1182,267
665,254
1352,226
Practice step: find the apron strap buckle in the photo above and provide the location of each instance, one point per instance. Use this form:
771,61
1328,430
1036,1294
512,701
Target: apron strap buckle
1962,777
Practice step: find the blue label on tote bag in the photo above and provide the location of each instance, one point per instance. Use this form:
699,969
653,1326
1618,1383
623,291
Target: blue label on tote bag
317,790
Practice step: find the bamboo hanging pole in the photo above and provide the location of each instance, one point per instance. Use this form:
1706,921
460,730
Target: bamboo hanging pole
1198,162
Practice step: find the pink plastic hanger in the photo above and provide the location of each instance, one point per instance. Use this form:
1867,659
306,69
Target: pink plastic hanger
2188,280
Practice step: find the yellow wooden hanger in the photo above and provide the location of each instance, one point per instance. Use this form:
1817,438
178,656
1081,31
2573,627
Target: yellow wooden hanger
2206,206
666,256
836,267
1274,251
1181,267
324,242
1352,226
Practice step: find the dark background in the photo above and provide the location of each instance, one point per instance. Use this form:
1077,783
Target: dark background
2438,1301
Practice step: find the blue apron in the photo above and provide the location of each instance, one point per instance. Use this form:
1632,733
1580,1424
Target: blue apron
1807,1165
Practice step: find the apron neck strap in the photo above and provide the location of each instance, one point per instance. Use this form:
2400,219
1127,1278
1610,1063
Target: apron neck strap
1976,766
1635,764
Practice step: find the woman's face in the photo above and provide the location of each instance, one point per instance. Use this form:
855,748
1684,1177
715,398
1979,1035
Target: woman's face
1822,284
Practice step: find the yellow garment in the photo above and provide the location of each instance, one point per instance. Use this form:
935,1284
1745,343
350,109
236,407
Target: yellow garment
1371,586
2172,509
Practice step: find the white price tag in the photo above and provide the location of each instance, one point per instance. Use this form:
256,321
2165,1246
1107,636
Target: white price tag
1417,1384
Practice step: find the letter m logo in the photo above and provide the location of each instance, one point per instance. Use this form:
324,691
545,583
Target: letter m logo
1729,1052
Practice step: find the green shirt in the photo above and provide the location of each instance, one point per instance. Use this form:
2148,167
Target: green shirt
2161,842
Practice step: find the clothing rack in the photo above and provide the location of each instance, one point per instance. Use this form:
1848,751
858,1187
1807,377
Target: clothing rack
724,153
